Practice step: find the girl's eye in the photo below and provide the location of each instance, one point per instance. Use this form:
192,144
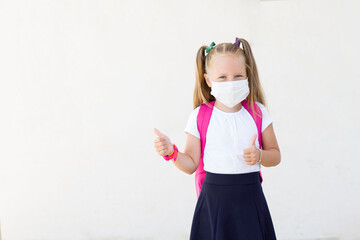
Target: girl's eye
235,76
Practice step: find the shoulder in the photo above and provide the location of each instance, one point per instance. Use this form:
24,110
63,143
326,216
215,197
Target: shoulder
261,106
194,112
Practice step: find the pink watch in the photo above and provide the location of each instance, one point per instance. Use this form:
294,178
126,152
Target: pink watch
173,155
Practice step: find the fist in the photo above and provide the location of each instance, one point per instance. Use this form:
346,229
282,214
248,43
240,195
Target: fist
162,144
251,154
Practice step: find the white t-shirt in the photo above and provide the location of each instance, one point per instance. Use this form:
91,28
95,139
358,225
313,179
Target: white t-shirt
228,134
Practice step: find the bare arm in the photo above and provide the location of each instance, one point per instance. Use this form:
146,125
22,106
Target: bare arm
270,149
188,161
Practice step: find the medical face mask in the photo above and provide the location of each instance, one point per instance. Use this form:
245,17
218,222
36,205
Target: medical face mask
230,93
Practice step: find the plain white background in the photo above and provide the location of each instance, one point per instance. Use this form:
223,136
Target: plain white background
83,84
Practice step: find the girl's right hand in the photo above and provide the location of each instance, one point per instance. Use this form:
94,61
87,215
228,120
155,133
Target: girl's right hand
163,144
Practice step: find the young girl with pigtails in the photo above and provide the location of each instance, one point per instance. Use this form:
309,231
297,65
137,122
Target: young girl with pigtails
229,136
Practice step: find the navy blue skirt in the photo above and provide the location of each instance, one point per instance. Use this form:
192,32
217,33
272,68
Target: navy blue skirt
232,206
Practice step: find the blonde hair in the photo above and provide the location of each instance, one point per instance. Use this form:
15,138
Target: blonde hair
202,90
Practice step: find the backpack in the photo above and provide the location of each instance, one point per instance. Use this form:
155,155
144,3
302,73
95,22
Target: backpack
203,120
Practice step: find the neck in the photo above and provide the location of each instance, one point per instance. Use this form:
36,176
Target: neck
224,108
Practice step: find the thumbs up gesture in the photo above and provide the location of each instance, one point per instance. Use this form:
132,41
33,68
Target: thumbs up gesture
251,154
163,144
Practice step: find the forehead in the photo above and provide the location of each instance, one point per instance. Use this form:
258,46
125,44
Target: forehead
227,63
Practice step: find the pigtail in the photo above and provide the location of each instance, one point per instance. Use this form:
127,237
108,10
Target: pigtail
256,91
202,90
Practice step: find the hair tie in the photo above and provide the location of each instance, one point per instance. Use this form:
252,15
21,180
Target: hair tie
239,44
210,47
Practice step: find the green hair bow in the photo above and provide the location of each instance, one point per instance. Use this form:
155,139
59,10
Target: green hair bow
210,47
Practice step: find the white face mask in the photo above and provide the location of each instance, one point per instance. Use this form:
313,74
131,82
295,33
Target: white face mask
230,93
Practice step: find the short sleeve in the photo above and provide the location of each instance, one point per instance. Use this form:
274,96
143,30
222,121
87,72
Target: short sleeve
266,118
191,126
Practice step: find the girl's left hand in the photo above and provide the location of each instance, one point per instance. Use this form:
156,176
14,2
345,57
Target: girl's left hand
251,154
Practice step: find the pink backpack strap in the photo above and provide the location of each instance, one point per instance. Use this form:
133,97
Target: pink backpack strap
203,120
257,119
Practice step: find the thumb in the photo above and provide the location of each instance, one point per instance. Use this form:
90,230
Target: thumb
157,132
253,139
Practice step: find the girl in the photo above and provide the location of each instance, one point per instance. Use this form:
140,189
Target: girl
231,204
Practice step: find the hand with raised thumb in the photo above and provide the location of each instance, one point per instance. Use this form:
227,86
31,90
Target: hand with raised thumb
251,154
163,144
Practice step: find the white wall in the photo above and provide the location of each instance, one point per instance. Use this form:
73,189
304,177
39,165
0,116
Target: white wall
83,84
